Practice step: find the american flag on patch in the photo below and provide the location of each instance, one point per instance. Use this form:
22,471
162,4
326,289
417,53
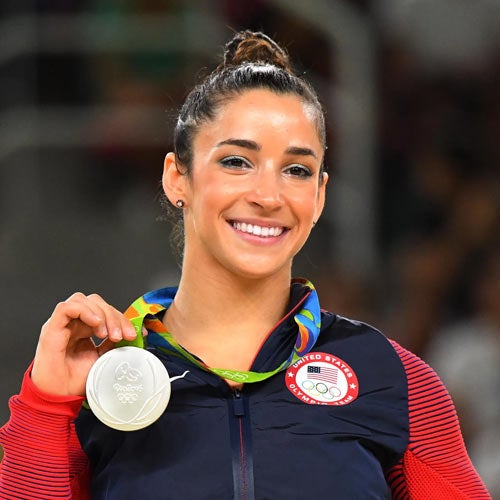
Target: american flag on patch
322,373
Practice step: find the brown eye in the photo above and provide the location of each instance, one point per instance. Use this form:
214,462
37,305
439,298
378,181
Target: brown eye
236,162
298,171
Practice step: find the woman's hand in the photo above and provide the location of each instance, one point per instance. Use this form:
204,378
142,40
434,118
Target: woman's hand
66,351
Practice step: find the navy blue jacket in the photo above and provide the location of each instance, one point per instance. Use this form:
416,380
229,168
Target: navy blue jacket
269,440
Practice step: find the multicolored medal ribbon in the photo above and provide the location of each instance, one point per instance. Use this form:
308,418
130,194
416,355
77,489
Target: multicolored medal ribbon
308,319
128,388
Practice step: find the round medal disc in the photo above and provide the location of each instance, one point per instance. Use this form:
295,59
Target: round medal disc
128,388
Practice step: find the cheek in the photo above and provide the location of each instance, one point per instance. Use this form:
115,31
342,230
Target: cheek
214,192
306,201
203,189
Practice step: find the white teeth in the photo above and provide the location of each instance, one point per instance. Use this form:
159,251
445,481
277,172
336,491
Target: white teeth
262,231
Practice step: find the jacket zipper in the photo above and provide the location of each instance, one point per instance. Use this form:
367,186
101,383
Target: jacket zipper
241,448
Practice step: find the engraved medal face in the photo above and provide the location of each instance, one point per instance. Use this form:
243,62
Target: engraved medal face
128,388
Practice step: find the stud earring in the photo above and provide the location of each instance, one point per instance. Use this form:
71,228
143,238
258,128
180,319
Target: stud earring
179,203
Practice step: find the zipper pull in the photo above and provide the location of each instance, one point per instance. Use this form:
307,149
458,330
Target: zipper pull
238,404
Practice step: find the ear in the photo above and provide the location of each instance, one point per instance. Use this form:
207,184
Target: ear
321,197
174,182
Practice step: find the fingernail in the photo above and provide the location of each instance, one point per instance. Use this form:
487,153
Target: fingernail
116,334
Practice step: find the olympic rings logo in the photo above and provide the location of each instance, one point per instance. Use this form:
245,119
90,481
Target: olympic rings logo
321,389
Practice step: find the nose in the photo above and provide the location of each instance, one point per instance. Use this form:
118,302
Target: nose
266,190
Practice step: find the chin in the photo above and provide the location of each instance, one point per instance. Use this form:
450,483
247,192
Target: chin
259,271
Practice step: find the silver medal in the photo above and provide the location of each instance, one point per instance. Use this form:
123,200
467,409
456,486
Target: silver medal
128,388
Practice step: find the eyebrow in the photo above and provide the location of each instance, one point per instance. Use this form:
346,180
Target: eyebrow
295,150
245,143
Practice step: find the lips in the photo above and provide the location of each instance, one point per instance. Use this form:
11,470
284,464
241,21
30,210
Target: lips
257,230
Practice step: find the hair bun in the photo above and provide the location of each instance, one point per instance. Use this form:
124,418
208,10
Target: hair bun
250,46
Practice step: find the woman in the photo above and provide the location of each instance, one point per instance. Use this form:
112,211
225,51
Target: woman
275,398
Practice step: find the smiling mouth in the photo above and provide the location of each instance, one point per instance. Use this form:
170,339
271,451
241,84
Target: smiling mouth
262,231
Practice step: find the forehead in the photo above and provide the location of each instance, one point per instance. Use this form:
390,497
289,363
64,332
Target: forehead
261,115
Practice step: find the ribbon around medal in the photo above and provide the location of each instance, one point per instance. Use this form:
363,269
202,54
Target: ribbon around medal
128,388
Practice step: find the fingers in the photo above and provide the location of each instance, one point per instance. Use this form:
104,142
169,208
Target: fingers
83,316
113,325
66,351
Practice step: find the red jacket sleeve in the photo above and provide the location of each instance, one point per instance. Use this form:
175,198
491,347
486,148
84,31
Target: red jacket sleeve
42,456
436,465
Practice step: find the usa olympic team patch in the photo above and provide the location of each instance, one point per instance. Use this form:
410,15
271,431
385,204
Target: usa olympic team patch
318,378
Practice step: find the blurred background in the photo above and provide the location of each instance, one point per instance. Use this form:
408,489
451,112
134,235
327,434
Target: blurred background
410,240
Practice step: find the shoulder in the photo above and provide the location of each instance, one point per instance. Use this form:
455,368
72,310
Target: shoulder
423,382
431,411
361,339
371,344
372,358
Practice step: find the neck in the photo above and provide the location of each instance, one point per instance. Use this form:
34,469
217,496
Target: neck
223,318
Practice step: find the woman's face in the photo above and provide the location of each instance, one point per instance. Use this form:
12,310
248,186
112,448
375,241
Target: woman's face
254,191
